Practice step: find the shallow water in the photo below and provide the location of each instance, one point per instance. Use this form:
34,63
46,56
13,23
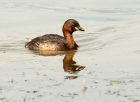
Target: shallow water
107,60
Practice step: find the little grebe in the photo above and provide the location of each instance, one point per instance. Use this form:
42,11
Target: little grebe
54,42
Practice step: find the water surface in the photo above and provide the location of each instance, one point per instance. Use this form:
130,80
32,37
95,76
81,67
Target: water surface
106,67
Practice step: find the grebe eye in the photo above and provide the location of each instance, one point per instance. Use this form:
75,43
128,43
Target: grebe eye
73,25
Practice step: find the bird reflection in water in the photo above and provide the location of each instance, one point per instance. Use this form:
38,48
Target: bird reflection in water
69,64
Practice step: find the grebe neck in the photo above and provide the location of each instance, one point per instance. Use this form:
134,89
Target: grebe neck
69,40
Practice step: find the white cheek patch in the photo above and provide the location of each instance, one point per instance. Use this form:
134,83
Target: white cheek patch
76,28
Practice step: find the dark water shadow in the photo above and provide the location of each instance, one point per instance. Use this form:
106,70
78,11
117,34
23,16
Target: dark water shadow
69,64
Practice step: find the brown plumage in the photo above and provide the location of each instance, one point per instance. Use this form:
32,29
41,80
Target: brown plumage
54,42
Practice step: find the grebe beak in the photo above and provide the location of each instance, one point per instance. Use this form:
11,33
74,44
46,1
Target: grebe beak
79,29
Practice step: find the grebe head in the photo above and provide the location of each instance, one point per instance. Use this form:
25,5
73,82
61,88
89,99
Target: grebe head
71,25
